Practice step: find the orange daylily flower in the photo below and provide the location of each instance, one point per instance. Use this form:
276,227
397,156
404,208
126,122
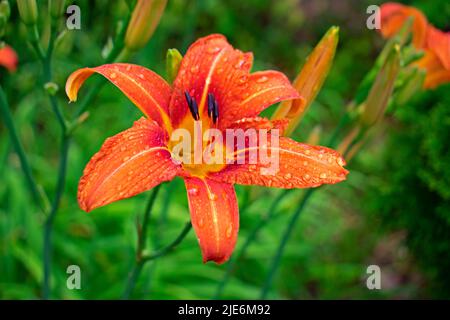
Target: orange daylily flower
434,42
215,87
8,58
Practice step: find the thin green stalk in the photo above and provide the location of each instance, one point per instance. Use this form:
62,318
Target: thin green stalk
155,255
9,123
134,275
251,237
170,247
286,235
48,226
142,238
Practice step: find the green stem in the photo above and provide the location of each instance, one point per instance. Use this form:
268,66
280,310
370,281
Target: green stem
134,275
48,226
251,237
170,247
9,123
142,238
286,235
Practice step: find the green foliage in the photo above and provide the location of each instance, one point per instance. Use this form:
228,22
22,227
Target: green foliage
414,194
405,181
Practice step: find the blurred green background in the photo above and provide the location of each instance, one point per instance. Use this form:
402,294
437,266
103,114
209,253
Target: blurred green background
393,211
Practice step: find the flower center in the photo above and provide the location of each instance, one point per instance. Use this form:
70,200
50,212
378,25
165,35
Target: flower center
197,143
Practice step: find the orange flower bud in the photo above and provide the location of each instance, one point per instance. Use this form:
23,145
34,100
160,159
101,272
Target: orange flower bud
310,80
144,20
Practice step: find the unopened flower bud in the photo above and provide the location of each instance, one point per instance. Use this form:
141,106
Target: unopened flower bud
144,20
382,88
28,11
173,62
51,88
56,8
310,79
5,10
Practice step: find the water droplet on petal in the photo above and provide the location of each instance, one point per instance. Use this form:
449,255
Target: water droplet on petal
307,177
262,79
200,223
288,176
141,76
113,75
239,64
128,68
193,191
194,69
340,162
229,230
213,50
323,175
212,196
305,163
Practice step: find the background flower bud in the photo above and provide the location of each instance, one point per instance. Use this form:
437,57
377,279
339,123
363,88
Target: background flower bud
144,20
28,11
310,79
173,61
56,8
381,90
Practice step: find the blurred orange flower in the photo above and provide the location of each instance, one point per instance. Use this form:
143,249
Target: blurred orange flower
8,58
434,42
213,87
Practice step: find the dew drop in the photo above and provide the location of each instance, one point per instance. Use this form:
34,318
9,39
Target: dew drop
201,223
212,196
305,163
340,161
213,50
194,69
193,191
262,79
128,68
239,64
323,175
141,76
113,75
288,176
123,149
229,230
307,177
307,152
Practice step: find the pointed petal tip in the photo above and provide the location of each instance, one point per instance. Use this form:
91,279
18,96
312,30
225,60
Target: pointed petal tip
216,259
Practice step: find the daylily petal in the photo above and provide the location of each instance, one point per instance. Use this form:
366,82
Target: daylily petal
209,65
147,90
300,166
8,58
439,42
128,163
436,73
215,217
261,90
394,15
260,123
